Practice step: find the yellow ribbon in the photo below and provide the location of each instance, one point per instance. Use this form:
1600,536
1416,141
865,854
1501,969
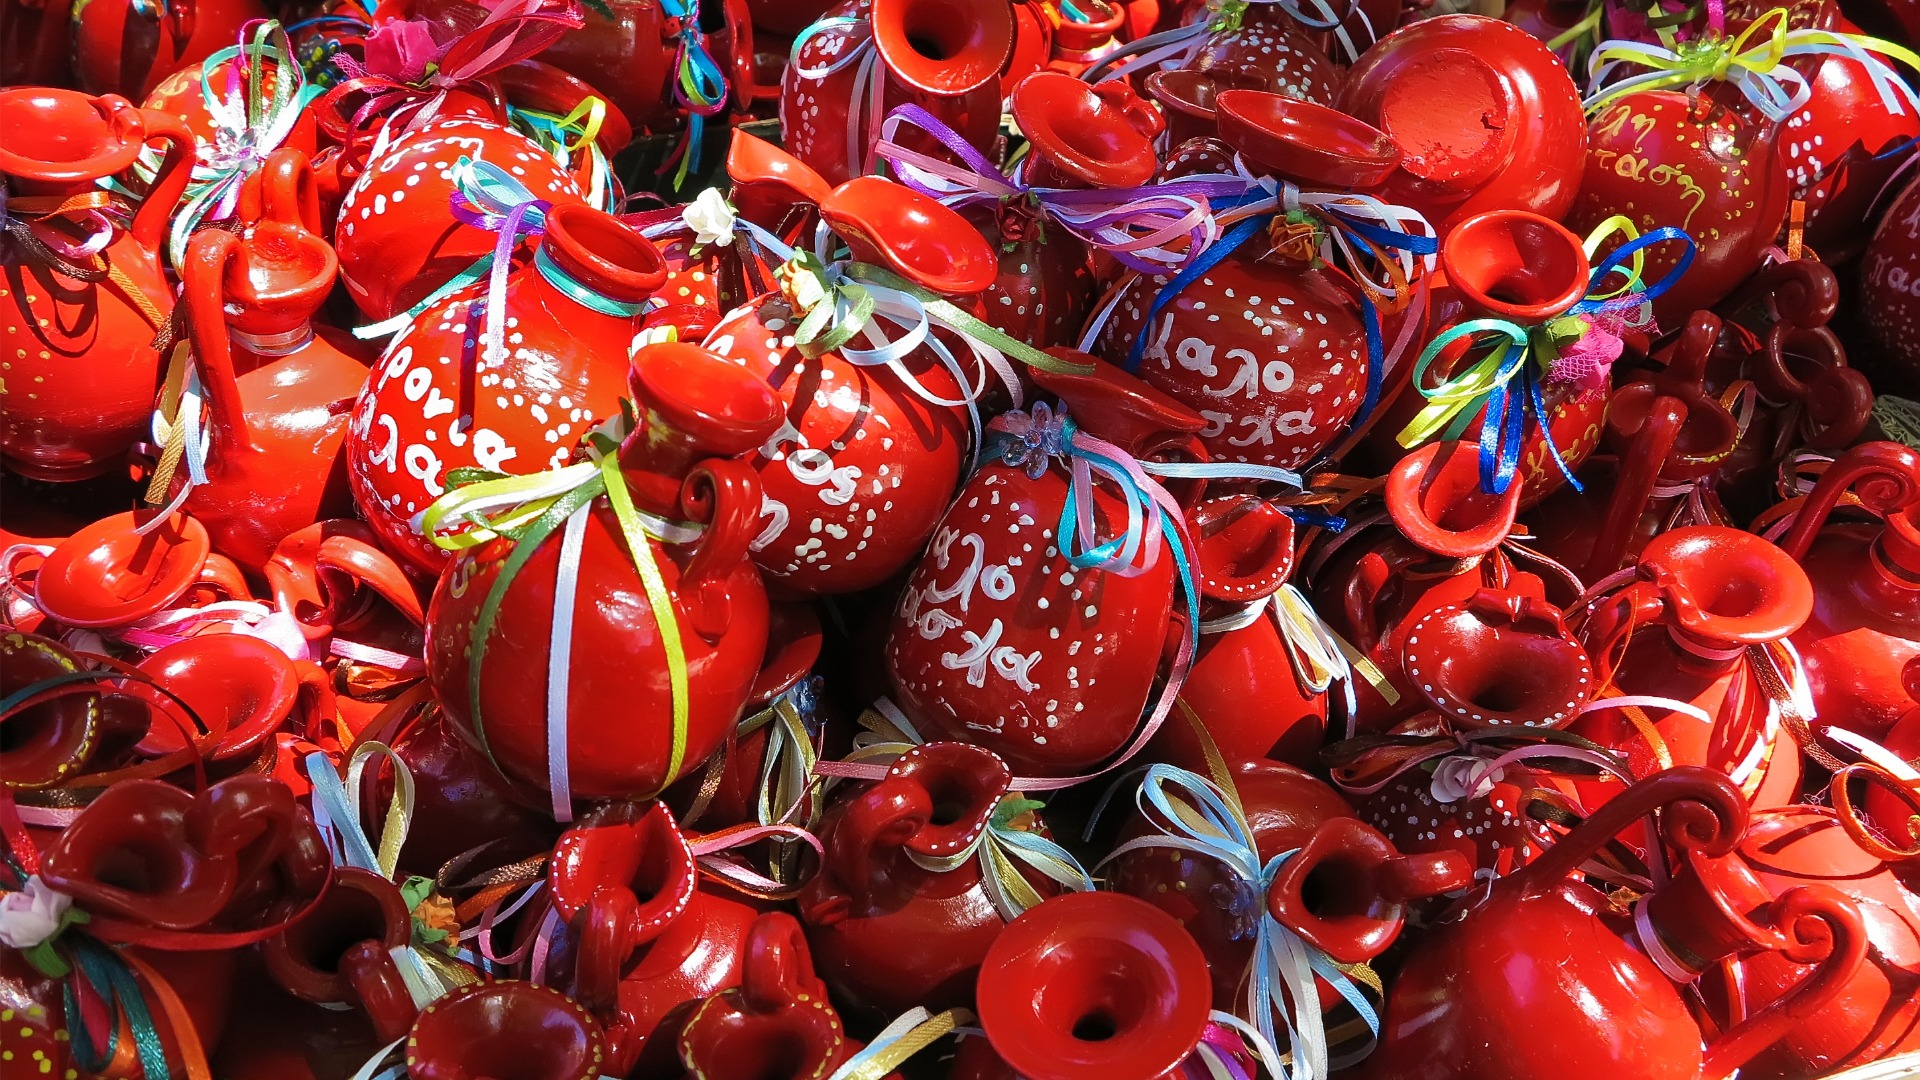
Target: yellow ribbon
902,1039
1695,61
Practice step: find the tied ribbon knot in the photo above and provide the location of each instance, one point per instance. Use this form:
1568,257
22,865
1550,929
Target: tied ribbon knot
1754,61
1193,814
576,133
250,121
1151,228
1506,381
699,86
1008,840
1319,655
526,510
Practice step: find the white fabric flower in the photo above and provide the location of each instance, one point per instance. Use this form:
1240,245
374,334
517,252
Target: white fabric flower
32,915
710,218
1452,775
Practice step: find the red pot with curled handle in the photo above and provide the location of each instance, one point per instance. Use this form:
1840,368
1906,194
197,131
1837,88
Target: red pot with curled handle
894,921
999,639
1089,985
1281,384
1864,628
1873,1013
1685,630
440,398
698,412
341,952
867,454
942,55
82,371
777,1023
502,1027
279,392
1540,965
645,935
1488,116
1443,542
1699,163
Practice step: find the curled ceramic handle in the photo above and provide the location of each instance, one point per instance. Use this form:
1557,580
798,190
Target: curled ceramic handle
288,192
1704,812
880,819
606,943
1655,438
223,577
1519,610
1838,400
1839,952
1604,633
776,971
1365,885
1370,581
1873,839
1888,475
150,221
203,290
724,496
1140,115
1802,292
363,562
369,968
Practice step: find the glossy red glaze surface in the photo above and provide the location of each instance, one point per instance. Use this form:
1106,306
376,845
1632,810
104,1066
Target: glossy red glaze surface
396,235
698,411
241,687
646,937
942,55
339,952
459,797
121,47
81,370
516,1028
180,94
1718,177
278,404
108,575
1268,51
1890,287
37,1031
49,742
887,932
1305,142
1093,963
437,400
1000,641
1487,116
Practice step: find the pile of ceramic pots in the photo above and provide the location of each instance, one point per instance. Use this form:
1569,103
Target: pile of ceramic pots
991,539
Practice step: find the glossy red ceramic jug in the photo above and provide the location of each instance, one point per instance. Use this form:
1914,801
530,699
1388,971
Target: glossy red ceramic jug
697,412
128,48
80,318
442,397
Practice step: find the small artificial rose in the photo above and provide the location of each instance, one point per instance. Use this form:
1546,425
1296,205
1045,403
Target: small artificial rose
710,218
1452,775
33,917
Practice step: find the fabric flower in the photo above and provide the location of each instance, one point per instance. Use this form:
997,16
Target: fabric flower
403,50
33,915
710,218
1453,775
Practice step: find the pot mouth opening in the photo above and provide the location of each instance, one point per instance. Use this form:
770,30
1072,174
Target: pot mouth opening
717,404
510,1031
82,143
1519,265
943,47
1337,889
757,1053
351,917
603,254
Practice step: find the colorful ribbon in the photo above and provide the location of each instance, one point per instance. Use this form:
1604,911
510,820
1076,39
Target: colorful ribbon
1177,48
576,133
869,81
1000,847
1754,61
1507,380
1319,655
1193,814
908,1035
1154,228
526,510
699,86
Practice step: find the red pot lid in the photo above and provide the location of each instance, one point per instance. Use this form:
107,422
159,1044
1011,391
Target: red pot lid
108,575
1307,143
1079,133
912,234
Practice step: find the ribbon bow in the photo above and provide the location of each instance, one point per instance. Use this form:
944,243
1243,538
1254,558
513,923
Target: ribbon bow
1152,228
249,123
1003,844
409,68
1194,814
1754,61
699,86
1507,379
528,509
577,132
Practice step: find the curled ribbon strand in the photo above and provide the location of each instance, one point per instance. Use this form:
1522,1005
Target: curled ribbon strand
1003,844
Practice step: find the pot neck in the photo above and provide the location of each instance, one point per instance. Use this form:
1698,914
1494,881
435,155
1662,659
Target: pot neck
261,348
575,293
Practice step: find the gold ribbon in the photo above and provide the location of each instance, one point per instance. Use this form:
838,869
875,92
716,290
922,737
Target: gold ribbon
902,1039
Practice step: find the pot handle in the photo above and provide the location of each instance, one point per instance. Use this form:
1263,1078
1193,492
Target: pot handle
723,495
150,221
370,969
288,192
1607,627
1871,839
604,946
1633,491
1705,812
1378,883
882,818
1838,400
1894,470
369,567
777,970
1847,941
1361,598
203,290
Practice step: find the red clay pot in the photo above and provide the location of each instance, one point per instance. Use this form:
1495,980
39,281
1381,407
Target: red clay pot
942,55
646,936
1270,52
340,952
1541,965
1865,624
858,442
460,799
108,575
995,620
125,48
1889,299
243,688
50,742
888,932
515,1028
697,412
1489,117
436,400
82,372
